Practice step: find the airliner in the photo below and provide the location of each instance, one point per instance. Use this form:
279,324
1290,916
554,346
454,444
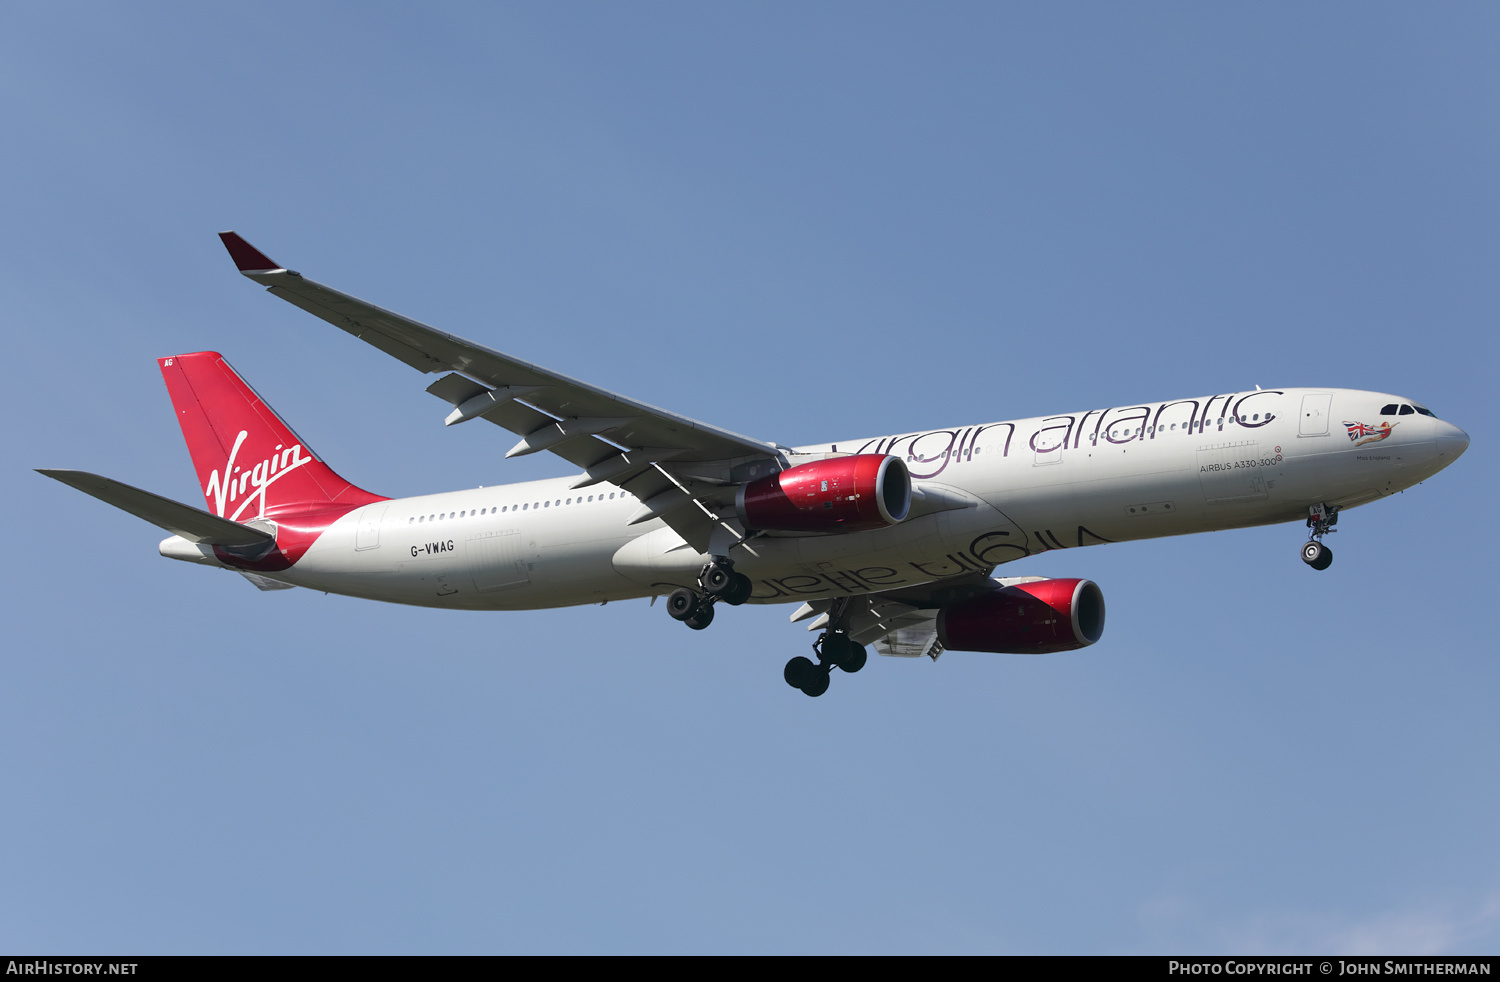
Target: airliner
888,541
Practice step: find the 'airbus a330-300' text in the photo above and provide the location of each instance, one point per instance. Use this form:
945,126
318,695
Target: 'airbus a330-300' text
890,541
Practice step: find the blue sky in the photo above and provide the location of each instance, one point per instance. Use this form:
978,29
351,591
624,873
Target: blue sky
804,223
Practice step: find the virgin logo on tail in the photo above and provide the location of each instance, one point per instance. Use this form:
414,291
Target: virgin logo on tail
236,481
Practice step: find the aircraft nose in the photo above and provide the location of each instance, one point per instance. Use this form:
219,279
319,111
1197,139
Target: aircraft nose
1450,440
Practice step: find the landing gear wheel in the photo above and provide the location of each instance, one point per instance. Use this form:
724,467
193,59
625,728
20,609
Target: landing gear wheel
856,658
682,604
701,618
717,581
817,684
801,673
1317,555
739,591
721,582
840,650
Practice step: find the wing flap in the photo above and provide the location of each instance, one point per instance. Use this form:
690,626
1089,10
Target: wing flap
912,642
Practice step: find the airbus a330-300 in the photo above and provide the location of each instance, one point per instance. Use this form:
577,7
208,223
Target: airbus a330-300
890,541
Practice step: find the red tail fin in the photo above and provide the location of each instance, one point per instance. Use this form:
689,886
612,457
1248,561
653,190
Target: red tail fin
249,462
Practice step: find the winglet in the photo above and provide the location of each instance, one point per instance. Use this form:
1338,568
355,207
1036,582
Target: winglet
247,258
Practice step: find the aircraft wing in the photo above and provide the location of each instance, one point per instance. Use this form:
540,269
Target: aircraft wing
901,623
682,471
895,627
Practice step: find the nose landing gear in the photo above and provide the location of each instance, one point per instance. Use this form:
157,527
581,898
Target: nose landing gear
1321,520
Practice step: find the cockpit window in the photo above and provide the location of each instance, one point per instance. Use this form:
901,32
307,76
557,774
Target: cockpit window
1426,412
1389,410
1407,411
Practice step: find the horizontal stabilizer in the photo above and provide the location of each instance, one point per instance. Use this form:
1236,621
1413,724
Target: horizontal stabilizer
265,582
186,521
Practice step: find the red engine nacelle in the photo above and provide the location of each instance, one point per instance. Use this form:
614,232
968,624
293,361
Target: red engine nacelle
1026,618
840,494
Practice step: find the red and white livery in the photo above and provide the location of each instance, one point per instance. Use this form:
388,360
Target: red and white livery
890,541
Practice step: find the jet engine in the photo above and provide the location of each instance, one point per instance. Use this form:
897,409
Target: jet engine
1026,618
839,494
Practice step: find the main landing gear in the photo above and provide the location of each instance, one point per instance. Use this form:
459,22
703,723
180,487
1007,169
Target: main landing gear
834,650
718,581
1321,520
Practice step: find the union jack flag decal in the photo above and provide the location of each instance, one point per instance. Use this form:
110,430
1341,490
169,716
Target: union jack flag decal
1365,433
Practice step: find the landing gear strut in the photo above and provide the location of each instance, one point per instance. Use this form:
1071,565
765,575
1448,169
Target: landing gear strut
1321,520
834,650
718,581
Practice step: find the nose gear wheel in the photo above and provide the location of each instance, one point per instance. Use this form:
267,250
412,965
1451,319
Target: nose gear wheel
1317,555
1321,520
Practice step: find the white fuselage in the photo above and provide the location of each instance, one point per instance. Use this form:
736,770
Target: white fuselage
1004,490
